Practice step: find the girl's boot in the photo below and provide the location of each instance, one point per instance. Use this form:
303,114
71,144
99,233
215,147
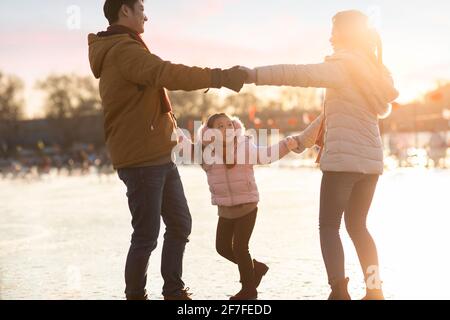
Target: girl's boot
260,271
248,292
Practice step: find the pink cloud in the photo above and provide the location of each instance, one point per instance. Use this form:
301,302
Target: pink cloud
34,53
199,52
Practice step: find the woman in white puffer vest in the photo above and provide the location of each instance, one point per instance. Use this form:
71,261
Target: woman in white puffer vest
359,90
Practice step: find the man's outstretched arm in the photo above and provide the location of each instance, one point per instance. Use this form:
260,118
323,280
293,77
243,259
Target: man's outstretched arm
142,67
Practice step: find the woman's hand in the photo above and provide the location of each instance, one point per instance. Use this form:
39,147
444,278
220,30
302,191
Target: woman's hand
291,143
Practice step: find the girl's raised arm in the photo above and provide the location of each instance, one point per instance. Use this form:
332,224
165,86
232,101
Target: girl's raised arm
263,155
308,137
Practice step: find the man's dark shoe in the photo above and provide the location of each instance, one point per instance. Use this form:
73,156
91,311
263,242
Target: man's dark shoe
183,296
137,298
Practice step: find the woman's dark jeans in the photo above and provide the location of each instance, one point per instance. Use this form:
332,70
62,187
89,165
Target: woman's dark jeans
155,192
351,193
232,242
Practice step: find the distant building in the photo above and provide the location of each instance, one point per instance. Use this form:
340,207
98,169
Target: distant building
63,132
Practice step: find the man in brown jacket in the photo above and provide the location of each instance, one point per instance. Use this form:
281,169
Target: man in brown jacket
139,126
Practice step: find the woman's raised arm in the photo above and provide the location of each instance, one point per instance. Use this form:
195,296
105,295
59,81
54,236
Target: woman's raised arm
330,74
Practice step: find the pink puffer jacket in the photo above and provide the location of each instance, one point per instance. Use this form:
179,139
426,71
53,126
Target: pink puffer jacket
231,187
235,186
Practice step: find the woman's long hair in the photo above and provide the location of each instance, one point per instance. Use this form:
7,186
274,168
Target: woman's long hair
355,32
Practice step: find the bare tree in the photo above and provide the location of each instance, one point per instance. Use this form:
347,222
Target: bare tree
11,109
70,96
11,98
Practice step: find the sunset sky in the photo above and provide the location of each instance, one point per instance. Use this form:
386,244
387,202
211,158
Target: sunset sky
35,39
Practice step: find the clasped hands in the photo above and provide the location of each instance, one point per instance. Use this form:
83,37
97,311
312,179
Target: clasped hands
251,74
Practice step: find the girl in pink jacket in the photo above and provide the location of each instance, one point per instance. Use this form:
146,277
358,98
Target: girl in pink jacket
228,157
228,162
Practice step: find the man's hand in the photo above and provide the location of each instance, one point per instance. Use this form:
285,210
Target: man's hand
233,78
251,75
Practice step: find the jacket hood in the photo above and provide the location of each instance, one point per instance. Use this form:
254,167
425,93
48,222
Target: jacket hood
373,81
99,47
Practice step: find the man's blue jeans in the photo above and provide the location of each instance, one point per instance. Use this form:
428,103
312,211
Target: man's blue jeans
155,192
